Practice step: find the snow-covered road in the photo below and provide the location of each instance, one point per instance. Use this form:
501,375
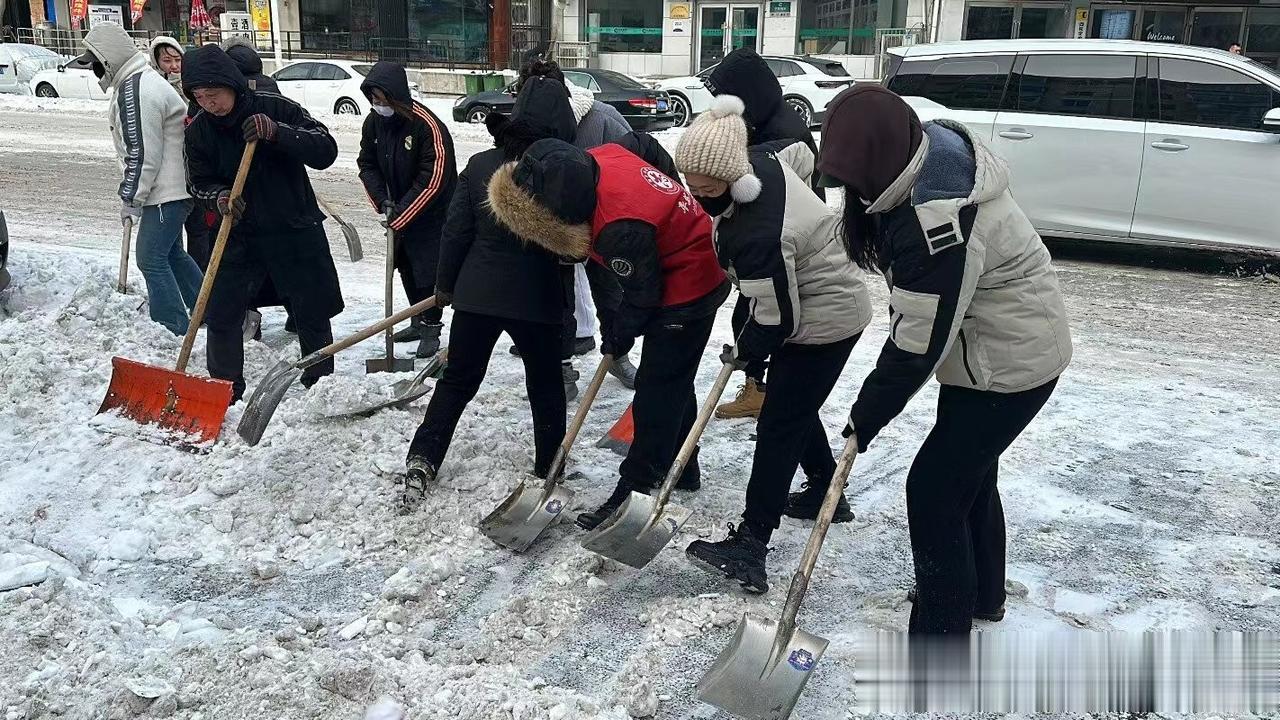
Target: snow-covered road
277,582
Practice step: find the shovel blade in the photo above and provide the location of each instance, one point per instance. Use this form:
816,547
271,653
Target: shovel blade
632,535
188,409
388,364
354,250
759,676
522,517
264,400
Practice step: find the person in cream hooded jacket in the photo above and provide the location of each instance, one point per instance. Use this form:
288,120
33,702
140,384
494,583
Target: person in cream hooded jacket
147,120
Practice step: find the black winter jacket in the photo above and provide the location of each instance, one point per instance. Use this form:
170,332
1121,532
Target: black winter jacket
246,58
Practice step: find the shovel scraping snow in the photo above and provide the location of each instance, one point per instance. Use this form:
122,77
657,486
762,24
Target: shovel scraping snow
761,673
354,249
403,392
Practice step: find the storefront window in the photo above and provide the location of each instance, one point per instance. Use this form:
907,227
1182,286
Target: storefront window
846,27
625,26
336,25
1163,25
449,30
989,23
1216,28
1002,21
1262,34
1043,22
1114,23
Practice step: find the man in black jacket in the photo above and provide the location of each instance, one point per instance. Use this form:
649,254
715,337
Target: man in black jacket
408,169
278,232
246,58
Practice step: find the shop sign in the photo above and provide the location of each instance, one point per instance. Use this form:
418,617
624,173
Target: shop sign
99,14
260,17
236,23
1082,22
679,11
780,8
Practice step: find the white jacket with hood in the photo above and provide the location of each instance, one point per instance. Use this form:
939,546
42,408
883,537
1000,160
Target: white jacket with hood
147,120
165,41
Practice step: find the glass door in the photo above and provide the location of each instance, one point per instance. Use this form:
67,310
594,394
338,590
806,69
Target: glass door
745,28
724,28
1211,27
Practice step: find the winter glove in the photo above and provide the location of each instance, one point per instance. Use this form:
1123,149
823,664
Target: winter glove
229,207
259,127
616,344
128,212
850,430
729,356
443,298
388,213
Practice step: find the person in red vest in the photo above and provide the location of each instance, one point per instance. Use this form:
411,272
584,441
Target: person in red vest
614,204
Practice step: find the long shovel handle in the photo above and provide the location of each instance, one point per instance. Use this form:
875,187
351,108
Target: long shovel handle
362,335
388,296
124,255
800,581
571,435
691,442
215,259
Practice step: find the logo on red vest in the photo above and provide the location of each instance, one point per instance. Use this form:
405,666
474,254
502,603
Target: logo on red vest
660,182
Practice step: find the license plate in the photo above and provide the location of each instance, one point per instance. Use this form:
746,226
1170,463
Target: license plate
662,106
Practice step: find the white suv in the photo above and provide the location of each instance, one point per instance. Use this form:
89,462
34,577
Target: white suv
1114,139
808,84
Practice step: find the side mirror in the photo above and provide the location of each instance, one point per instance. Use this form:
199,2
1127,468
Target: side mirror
1271,121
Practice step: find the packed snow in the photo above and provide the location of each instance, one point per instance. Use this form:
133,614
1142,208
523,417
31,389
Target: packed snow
278,581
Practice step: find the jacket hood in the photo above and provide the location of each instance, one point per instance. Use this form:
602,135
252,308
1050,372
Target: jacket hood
745,74
391,79
209,66
244,54
542,111
870,137
112,46
581,100
951,164
548,197
162,41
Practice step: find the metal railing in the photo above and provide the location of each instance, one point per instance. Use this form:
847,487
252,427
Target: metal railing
574,54
67,42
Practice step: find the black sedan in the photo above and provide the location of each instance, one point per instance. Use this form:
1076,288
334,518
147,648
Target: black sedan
643,107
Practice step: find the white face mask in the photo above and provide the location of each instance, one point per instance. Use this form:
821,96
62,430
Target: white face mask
384,110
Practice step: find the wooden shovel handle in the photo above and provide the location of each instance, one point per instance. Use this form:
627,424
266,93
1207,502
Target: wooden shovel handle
215,259
388,301
571,434
362,335
123,278
695,434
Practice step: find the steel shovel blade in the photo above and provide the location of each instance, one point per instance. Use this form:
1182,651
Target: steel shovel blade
264,400
759,676
529,510
634,534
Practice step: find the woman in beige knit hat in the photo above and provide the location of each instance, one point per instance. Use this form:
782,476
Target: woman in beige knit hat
779,244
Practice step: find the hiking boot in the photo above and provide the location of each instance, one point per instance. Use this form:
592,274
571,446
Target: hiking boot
251,328
747,404
740,556
583,345
409,334
429,345
589,520
622,369
804,505
418,473
691,477
995,615
570,378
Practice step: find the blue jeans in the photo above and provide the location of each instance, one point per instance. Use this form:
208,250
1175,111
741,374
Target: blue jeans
173,278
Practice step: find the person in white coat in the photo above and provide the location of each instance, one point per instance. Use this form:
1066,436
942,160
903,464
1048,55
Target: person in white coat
147,120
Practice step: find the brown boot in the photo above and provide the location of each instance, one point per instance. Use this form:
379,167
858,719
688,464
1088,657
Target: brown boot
747,404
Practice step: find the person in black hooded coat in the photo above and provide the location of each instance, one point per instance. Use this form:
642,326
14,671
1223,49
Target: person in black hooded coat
278,232
408,169
246,58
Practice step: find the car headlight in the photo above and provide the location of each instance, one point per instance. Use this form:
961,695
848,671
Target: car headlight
461,99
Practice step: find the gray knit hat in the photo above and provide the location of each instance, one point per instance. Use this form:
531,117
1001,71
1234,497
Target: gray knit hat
716,146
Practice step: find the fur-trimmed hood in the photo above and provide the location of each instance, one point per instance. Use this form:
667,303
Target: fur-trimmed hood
548,197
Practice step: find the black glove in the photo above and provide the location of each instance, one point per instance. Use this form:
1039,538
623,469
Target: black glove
227,206
259,127
616,345
443,298
389,209
729,356
849,429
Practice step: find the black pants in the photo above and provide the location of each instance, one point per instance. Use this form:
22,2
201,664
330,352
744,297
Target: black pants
741,313
416,294
199,237
471,340
789,431
953,505
664,407
606,293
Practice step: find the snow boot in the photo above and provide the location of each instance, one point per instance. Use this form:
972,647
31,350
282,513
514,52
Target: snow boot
429,345
418,473
290,326
589,520
583,345
747,404
691,477
622,369
411,333
995,615
570,378
804,505
740,556
251,328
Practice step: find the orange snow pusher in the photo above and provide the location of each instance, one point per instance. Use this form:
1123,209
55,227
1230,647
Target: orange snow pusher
619,437
186,409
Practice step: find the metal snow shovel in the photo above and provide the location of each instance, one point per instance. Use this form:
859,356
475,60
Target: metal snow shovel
270,391
403,392
638,530
522,517
348,232
761,673
123,277
389,363
188,408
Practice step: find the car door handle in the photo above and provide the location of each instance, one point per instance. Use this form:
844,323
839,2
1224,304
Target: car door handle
1016,134
1170,145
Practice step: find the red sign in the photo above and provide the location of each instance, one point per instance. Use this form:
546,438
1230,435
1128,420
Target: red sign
136,6
79,11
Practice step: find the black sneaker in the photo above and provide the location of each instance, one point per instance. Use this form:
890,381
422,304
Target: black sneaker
804,505
583,345
989,615
740,556
570,378
589,520
418,474
624,371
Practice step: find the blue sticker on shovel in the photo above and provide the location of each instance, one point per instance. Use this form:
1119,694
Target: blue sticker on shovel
554,507
801,660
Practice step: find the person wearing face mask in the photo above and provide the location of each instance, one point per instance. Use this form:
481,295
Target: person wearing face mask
278,232
408,169
974,300
146,121
628,214
778,242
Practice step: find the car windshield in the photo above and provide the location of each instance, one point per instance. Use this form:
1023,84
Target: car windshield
362,69
622,81
828,67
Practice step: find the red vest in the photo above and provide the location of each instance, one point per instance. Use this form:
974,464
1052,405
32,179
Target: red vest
631,189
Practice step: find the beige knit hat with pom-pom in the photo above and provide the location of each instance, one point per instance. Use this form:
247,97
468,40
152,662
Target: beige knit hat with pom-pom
716,146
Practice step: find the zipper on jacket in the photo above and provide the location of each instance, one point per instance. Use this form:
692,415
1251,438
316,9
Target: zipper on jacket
964,354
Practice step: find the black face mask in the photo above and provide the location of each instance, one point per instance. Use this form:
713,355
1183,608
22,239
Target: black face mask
715,206
99,69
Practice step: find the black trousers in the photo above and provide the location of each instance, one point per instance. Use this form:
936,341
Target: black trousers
199,237
664,406
471,340
741,313
416,294
606,293
953,505
789,432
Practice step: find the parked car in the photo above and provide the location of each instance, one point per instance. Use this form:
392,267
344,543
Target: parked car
1113,139
808,84
643,107
70,79
19,61
328,86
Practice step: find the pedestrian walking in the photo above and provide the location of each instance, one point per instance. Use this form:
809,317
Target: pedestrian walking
146,121
974,300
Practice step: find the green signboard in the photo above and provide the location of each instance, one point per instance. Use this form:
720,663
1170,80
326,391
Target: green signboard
623,31
780,7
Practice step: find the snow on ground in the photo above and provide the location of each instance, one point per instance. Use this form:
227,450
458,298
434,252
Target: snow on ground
277,581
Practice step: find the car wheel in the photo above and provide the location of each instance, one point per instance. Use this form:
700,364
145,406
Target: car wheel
45,90
346,107
478,113
681,109
802,108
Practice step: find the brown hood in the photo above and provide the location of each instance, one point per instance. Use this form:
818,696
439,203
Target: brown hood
533,222
868,138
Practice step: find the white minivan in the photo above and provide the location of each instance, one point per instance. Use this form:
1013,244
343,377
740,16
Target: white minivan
1114,139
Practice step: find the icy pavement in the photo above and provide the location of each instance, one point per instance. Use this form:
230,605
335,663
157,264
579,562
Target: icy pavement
278,582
